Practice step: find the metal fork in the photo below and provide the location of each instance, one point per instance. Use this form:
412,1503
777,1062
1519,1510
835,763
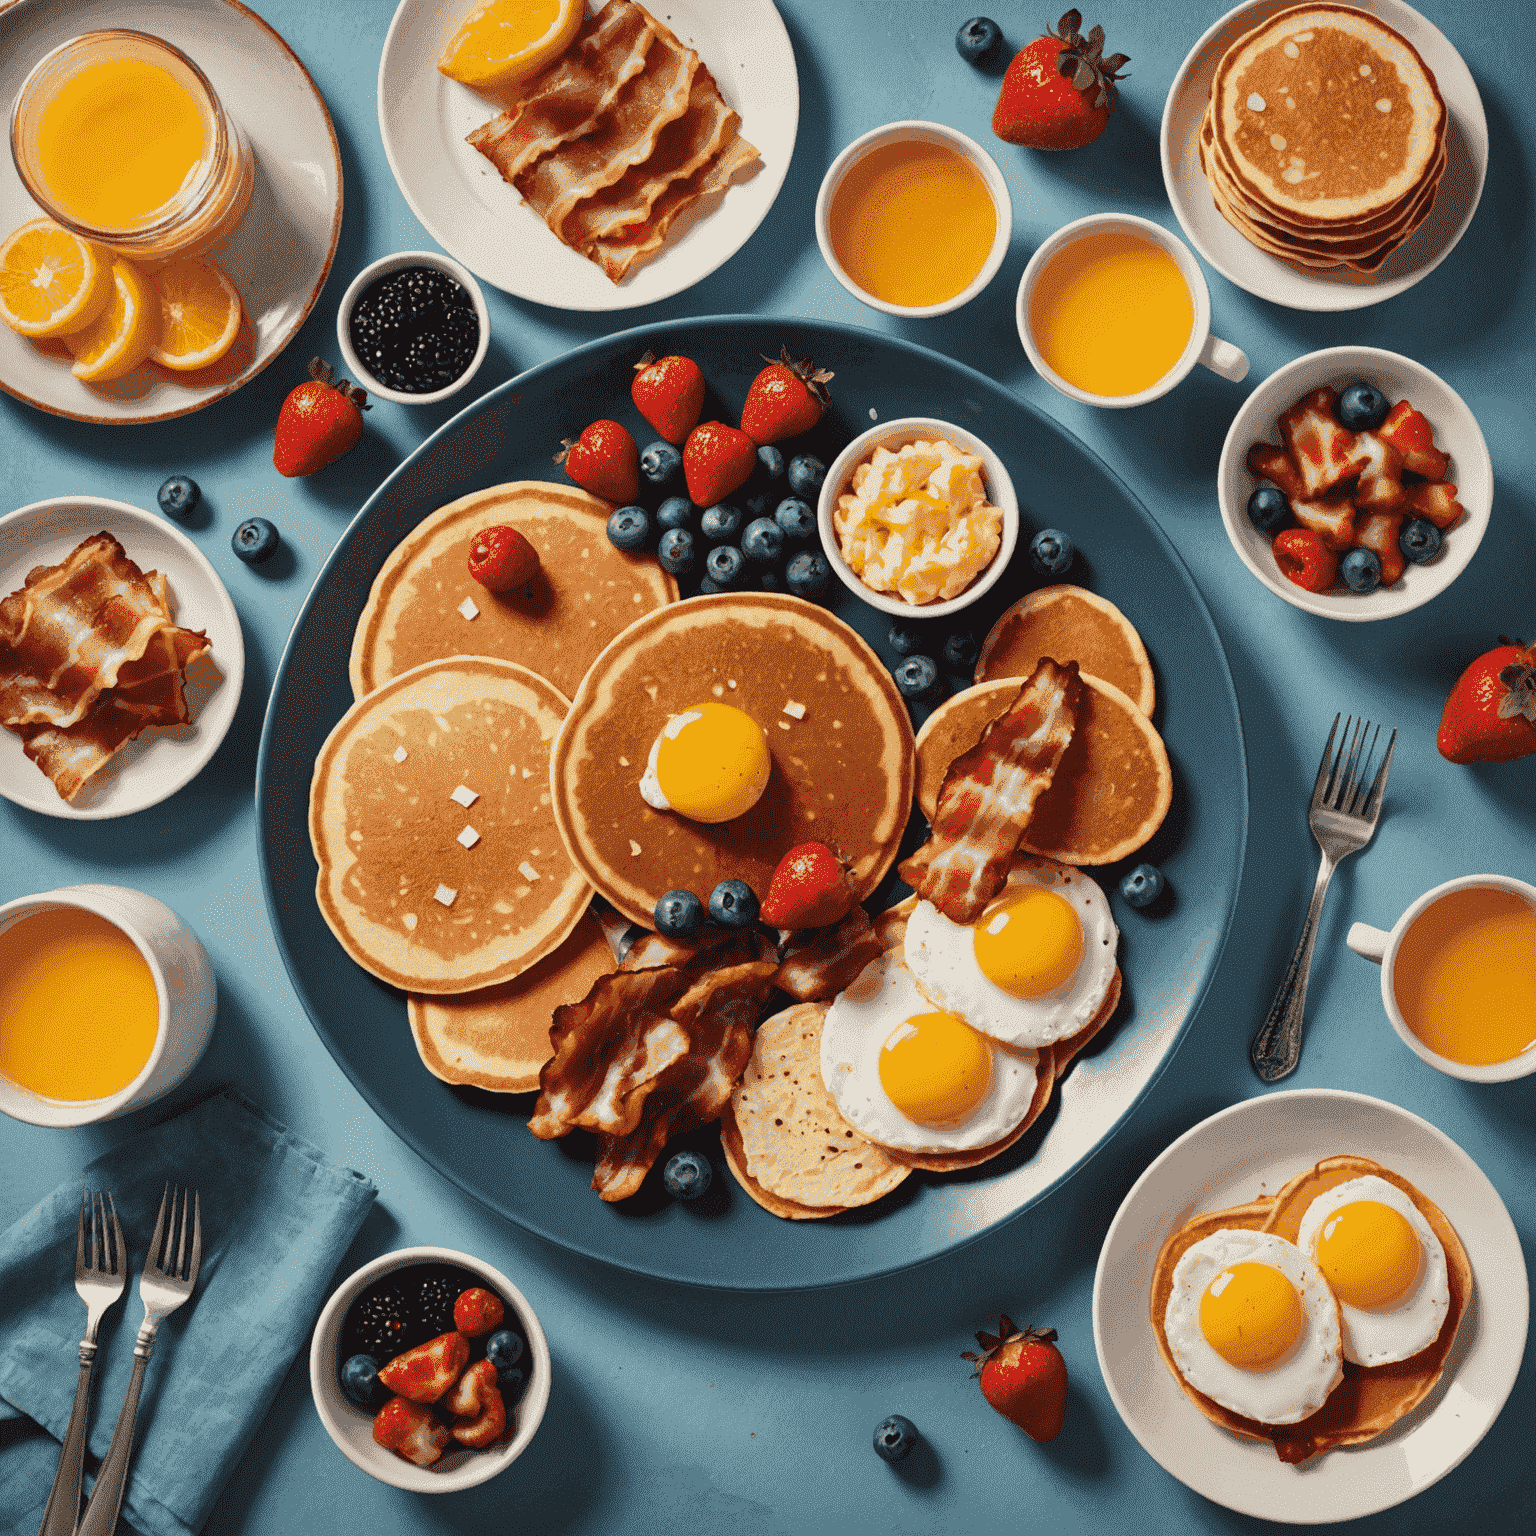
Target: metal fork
101,1278
169,1275
1343,816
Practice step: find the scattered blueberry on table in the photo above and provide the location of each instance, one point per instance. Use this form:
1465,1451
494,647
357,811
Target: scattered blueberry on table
675,552
763,541
720,522
770,461
807,574
255,540
806,472
179,496
687,1175
796,518
895,1438
978,40
660,463
961,650
918,677
674,512
725,565
1143,885
1050,552
903,639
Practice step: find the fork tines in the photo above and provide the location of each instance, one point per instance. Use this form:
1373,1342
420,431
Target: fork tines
161,1258
106,1255
1341,777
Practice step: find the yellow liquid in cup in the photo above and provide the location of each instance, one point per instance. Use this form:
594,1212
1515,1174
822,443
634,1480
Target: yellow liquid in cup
78,1006
1111,313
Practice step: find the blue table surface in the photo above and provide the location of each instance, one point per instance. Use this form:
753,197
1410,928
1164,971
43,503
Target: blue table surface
676,1409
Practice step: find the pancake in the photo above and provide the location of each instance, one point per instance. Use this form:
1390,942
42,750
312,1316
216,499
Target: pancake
404,895
842,766
585,593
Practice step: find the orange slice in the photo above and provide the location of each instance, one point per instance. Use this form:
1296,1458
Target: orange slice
199,313
504,41
52,282
124,334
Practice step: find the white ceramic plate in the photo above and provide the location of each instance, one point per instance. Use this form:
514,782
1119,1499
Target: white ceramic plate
163,759
282,251
1252,1149
1335,288
479,218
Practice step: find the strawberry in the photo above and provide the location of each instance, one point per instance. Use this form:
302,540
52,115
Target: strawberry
1411,434
786,399
809,889
1024,1377
477,1311
716,460
669,393
410,1430
423,1374
1490,716
1304,558
1058,93
477,1402
604,461
502,560
318,423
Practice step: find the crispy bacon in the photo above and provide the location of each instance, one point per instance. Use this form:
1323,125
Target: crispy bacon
818,966
1379,532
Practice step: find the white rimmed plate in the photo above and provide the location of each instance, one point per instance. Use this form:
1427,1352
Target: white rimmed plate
1333,288
163,759
1251,1150
480,219
280,254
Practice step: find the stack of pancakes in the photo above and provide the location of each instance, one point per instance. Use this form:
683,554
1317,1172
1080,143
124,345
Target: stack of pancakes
1324,139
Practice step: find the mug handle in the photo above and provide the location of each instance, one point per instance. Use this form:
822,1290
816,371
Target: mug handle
1369,942
1223,358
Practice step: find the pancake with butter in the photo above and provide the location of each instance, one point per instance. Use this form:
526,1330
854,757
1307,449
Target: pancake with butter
838,734
425,604
441,868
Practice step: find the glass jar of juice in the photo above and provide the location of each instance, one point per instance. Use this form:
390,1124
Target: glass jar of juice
121,139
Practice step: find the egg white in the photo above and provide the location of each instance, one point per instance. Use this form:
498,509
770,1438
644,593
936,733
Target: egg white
1293,1387
942,956
861,1019
1378,1337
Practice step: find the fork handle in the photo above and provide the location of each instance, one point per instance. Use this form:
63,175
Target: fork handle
100,1518
62,1512
1276,1048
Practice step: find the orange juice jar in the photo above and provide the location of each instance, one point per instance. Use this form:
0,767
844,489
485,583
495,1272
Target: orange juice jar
120,138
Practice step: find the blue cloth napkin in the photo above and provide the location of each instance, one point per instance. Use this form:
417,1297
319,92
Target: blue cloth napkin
276,1220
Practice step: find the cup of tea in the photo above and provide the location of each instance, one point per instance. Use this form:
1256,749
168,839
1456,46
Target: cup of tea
1114,311
106,1003
1458,976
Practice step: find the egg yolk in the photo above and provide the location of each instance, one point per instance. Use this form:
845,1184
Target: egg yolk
1028,941
712,762
1369,1254
1251,1316
935,1068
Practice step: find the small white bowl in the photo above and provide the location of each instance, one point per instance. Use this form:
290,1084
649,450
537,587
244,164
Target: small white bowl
1456,434
351,1427
892,435
928,133
381,268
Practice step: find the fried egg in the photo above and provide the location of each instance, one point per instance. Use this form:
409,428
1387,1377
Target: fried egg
908,1076
1384,1263
1252,1324
1033,968
710,763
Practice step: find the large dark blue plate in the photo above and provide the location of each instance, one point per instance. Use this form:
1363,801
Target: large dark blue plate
1168,955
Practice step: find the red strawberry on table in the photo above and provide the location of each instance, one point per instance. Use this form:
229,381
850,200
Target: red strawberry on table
423,1374
717,459
809,889
669,393
1058,93
1490,716
410,1430
318,423
604,461
1024,1377
786,399
478,1404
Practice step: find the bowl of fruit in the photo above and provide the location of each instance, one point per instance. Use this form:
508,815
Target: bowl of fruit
1355,484
429,1370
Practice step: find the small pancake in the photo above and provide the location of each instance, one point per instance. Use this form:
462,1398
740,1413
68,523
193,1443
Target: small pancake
586,591
1070,624
498,1038
842,759
405,897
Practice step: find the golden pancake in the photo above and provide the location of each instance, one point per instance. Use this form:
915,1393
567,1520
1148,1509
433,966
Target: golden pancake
838,732
425,891
585,593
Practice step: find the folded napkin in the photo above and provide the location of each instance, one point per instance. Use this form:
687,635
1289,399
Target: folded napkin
276,1220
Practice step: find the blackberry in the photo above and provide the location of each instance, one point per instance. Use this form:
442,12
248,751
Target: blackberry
434,1303
381,1322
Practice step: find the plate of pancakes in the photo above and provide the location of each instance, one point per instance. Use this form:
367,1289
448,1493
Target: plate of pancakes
1324,157
413,836
1311,1306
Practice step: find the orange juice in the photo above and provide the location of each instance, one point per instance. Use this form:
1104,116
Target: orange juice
1111,313
78,1007
1465,976
912,223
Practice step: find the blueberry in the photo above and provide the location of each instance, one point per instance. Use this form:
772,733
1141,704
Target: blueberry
895,1437
725,564
255,540
679,915
806,474
733,904
674,512
1360,570
1362,407
504,1349
1419,541
687,1175
795,518
770,461
1143,885
763,541
961,650
1269,509
1050,552
179,497
807,575
629,528
903,640
720,522
977,40
675,552
360,1381
660,463
918,677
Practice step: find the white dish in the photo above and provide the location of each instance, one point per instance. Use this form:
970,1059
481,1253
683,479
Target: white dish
1334,288
163,759
280,254
1456,433
1252,1149
476,216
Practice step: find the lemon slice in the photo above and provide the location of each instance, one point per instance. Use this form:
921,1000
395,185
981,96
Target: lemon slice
125,333
52,282
199,313
504,41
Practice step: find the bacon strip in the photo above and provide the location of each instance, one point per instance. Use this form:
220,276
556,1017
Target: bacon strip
990,792
818,968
